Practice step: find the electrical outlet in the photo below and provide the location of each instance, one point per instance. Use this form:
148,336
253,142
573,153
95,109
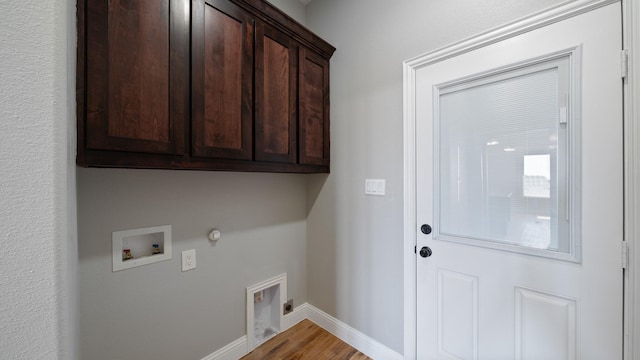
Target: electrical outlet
288,307
188,259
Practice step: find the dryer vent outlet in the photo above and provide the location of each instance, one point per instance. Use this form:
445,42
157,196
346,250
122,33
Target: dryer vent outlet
288,307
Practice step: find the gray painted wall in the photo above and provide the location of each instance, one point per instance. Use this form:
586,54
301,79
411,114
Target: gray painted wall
157,311
355,241
293,8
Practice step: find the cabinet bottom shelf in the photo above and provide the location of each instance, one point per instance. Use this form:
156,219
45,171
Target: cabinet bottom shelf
112,159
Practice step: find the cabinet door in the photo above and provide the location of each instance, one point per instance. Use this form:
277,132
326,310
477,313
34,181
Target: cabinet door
314,108
276,92
222,80
137,72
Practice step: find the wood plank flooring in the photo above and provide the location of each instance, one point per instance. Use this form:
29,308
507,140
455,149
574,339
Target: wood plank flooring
305,340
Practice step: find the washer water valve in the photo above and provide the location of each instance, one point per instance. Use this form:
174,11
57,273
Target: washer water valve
214,234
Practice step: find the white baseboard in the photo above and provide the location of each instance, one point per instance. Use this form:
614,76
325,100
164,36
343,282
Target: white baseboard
233,351
351,336
342,331
238,348
298,314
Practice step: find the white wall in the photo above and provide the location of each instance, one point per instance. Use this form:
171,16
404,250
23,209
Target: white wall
37,196
355,241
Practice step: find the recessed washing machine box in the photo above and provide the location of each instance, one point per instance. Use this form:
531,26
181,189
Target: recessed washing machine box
137,247
264,310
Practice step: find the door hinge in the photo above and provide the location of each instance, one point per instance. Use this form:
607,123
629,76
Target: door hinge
624,63
625,255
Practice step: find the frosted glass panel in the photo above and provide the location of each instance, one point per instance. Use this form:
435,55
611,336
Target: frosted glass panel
502,158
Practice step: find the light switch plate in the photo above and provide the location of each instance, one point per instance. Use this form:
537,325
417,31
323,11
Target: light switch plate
188,259
374,187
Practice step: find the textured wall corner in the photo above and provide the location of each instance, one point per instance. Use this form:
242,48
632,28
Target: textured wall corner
33,195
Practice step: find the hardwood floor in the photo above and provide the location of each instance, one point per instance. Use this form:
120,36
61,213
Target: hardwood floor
305,340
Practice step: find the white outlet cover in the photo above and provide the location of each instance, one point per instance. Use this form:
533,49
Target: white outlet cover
188,260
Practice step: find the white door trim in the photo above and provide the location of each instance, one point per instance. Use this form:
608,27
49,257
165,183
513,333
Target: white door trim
631,33
534,21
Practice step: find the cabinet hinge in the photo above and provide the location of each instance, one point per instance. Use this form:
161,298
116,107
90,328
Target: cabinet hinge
415,249
625,255
624,63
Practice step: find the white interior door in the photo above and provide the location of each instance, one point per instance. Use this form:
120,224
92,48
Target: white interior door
519,175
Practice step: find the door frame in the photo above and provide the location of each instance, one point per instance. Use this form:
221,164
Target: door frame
631,111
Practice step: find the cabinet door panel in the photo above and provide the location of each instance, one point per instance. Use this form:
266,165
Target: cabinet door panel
276,91
137,71
222,80
314,109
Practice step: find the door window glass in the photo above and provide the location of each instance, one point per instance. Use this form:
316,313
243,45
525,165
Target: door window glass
502,160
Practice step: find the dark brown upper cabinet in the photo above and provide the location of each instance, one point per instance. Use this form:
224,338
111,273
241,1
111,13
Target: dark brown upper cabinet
135,83
276,93
222,80
314,109
200,84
